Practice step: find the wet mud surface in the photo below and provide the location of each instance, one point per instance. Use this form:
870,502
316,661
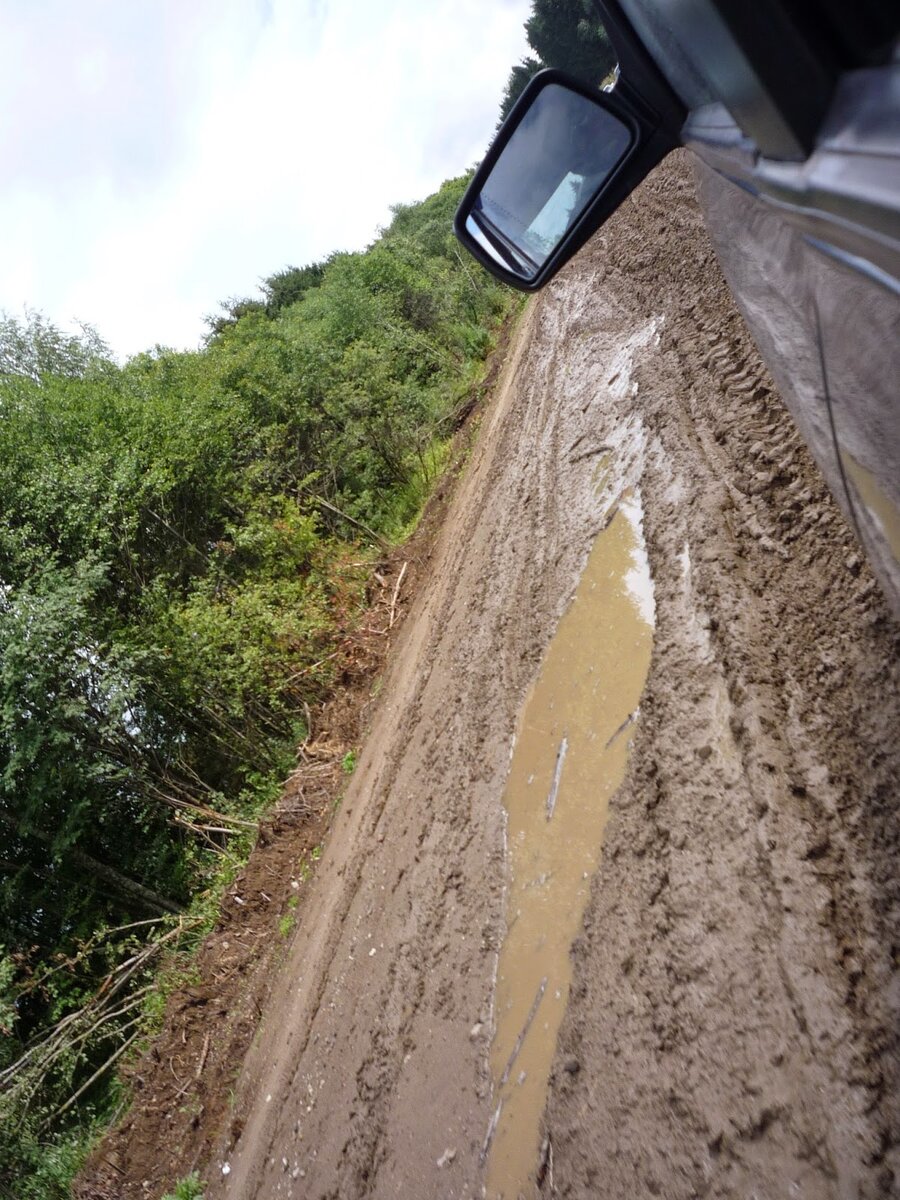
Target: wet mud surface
735,1000
732,1021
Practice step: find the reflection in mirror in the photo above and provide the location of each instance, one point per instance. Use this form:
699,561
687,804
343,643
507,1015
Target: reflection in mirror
559,156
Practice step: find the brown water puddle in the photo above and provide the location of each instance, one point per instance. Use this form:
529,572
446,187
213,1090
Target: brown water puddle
569,758
876,500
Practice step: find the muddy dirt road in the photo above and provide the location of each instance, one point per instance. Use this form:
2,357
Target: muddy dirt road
707,1004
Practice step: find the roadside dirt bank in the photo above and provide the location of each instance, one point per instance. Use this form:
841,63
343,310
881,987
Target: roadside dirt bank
732,1024
183,1087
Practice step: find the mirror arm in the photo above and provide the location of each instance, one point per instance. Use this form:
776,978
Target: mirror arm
641,83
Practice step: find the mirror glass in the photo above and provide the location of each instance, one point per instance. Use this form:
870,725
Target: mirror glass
561,153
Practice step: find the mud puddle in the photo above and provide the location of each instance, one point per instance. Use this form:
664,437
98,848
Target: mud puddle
876,500
569,757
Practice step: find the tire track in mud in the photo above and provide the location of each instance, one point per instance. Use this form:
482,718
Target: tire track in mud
735,1012
730,1014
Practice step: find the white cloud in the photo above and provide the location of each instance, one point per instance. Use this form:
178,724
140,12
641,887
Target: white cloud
166,155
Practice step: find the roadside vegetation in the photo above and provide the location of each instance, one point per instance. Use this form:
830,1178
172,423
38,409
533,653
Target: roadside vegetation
184,540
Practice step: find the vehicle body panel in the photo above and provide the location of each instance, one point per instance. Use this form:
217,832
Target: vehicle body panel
811,252
830,334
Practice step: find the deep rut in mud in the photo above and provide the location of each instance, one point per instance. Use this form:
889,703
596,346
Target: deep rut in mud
732,1024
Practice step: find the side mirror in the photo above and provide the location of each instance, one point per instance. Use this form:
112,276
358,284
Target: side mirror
564,160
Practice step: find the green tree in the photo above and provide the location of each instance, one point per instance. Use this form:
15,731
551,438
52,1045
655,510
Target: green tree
180,557
233,309
32,347
567,35
285,287
564,34
518,80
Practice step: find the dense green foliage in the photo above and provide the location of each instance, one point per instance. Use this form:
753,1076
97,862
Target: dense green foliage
189,1188
564,34
179,554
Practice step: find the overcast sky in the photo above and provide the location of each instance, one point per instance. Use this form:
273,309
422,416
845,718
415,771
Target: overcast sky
158,156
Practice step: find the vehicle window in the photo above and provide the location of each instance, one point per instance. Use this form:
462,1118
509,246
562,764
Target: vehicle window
655,31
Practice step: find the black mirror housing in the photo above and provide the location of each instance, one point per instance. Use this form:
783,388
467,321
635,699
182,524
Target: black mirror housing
562,162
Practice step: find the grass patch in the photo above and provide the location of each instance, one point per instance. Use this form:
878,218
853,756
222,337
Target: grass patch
348,762
191,1187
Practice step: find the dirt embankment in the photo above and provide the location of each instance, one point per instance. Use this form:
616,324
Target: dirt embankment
732,1028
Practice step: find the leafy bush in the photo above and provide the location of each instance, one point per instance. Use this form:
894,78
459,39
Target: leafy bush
190,1188
181,541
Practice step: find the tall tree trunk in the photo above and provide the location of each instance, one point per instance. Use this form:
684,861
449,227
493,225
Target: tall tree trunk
122,884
